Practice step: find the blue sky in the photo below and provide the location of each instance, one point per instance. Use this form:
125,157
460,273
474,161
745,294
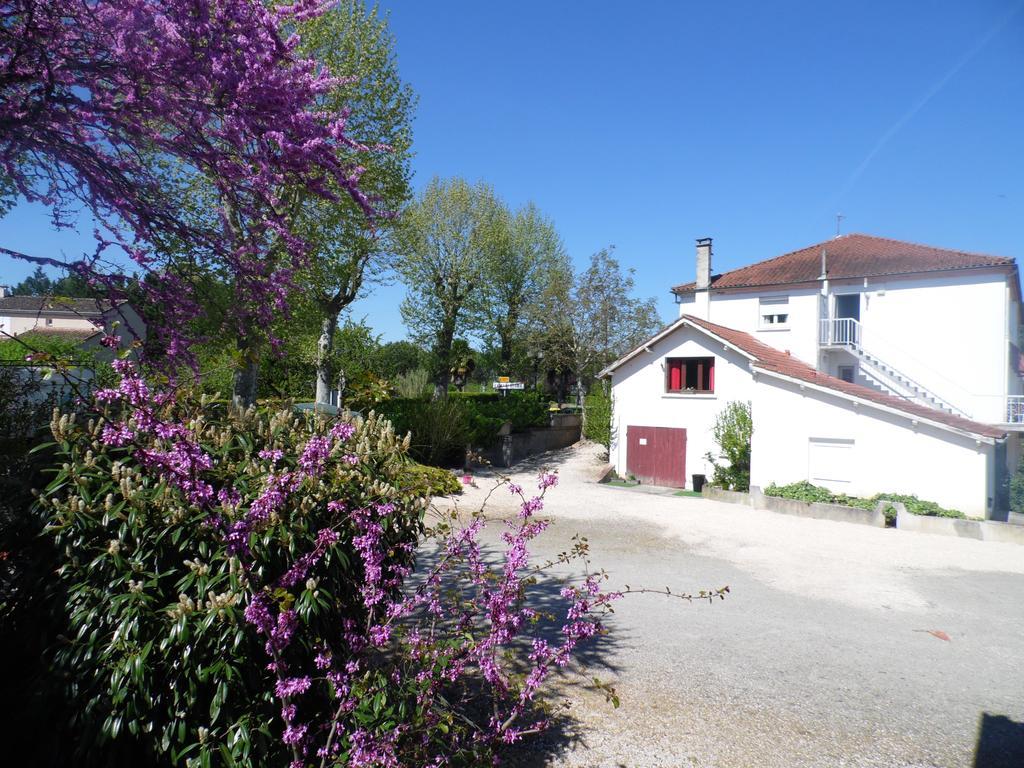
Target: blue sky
752,123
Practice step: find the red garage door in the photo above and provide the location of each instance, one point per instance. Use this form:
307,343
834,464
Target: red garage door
657,455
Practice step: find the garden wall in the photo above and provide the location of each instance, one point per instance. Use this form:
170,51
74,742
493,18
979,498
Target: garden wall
814,509
984,530
565,430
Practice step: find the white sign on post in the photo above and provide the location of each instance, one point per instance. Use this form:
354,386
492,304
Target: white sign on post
505,385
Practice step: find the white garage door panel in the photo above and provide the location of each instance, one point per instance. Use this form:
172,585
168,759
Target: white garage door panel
830,462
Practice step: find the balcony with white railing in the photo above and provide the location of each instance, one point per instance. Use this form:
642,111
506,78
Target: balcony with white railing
1015,409
839,332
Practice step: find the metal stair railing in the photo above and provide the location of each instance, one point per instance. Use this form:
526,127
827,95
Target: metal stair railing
845,332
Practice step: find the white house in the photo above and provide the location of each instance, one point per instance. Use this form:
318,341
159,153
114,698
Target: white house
81,320
870,365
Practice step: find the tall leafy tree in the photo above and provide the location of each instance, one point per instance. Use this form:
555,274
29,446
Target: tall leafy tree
101,101
344,251
41,284
589,322
528,257
444,239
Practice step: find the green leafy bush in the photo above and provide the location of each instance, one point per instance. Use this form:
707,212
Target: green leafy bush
26,560
413,384
421,480
525,410
732,432
442,430
1017,488
439,429
156,656
598,422
805,491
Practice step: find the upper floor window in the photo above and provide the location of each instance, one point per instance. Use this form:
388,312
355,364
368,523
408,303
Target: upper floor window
773,314
690,374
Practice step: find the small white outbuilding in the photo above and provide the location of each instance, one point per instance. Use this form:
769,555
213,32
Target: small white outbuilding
807,424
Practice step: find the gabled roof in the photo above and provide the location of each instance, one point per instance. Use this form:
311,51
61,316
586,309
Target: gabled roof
850,256
773,361
50,305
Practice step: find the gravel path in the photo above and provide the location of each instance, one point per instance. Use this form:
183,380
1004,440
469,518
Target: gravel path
821,656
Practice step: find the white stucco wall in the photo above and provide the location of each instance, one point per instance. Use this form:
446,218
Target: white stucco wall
742,311
639,397
948,332
15,325
885,452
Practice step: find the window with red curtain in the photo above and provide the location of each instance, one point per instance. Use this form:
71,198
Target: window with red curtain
690,374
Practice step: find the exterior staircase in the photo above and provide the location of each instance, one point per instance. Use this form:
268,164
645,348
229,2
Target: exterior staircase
845,333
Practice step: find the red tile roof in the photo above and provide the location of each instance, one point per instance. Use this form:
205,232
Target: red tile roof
851,256
770,359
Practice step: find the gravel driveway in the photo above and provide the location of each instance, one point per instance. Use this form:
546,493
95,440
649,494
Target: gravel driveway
821,656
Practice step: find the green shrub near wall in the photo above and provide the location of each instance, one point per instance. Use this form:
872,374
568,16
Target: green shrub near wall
805,491
598,422
442,430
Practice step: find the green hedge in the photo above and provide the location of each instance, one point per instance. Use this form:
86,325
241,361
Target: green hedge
598,422
805,491
524,409
442,430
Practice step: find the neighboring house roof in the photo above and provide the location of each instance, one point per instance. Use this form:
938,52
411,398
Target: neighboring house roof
774,361
47,305
850,256
63,334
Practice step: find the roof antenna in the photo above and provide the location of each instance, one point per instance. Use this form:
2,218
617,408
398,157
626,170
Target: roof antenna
839,222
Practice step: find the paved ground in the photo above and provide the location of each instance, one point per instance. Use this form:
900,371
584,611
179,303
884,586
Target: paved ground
821,656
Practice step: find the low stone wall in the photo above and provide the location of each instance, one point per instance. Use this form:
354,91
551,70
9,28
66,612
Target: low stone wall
836,512
983,530
565,430
730,497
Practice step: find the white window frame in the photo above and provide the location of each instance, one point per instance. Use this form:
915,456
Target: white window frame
768,307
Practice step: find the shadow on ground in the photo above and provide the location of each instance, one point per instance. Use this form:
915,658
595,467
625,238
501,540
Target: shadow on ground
1000,742
591,658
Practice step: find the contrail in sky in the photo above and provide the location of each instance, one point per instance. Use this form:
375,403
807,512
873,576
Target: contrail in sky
937,86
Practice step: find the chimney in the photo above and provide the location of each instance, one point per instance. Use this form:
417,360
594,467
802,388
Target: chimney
703,263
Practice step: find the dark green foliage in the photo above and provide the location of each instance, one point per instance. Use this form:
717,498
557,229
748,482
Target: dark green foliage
66,348
439,429
400,357
442,430
805,491
524,409
598,422
1017,488
155,664
421,480
732,432
26,562
40,284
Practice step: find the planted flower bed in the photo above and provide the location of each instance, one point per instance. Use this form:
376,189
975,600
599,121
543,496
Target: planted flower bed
805,491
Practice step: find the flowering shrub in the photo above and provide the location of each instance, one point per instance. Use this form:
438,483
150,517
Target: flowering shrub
241,588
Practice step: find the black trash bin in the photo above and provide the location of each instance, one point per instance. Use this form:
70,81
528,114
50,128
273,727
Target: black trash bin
698,482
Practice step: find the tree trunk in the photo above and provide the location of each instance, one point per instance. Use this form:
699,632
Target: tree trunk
243,385
443,351
506,353
580,400
324,348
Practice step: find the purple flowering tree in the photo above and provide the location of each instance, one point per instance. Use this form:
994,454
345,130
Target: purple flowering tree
235,587
117,106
